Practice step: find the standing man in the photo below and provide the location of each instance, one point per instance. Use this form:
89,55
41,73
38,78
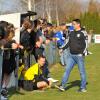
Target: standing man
77,46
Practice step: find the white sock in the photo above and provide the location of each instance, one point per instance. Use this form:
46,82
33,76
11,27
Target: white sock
3,86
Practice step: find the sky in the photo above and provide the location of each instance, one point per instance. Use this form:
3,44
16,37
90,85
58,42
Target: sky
10,5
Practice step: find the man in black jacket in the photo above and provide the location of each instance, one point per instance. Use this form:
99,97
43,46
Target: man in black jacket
77,45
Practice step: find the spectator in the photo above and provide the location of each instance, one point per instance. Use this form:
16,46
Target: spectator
9,63
25,41
62,40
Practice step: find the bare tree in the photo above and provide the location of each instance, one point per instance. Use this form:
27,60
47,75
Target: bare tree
92,6
54,10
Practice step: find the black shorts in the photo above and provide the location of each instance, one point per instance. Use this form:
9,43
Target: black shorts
30,85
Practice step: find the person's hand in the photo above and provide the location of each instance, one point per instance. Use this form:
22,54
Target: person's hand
21,47
29,30
14,46
60,51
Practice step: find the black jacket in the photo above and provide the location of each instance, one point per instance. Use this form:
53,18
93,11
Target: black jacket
77,42
25,39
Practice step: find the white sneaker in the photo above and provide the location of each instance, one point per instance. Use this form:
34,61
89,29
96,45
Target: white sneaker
90,53
82,90
3,98
60,88
52,80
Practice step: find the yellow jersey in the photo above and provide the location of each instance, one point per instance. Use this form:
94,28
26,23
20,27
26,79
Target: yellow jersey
32,71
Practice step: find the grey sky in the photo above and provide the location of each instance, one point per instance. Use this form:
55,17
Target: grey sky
15,5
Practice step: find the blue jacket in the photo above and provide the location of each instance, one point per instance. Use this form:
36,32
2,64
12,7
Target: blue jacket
60,38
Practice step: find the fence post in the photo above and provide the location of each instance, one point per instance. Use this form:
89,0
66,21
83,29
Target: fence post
1,61
17,65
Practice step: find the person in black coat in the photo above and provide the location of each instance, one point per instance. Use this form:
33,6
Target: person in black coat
9,62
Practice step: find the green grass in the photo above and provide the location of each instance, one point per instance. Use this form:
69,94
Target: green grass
93,79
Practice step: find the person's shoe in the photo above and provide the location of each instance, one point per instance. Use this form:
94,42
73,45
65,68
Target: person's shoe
52,80
4,92
61,88
3,97
82,90
89,53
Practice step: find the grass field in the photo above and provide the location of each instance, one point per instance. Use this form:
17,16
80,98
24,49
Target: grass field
93,85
